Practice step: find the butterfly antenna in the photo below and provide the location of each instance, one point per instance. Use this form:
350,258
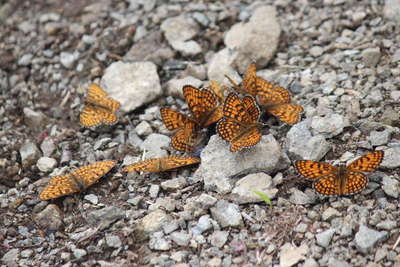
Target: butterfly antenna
235,85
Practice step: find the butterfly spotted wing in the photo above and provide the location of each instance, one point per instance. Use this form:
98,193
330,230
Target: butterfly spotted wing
77,180
368,162
99,109
203,104
184,137
161,164
248,84
240,124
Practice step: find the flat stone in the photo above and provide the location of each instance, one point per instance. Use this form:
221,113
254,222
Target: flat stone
245,187
68,60
132,84
158,242
180,28
330,125
219,238
180,238
227,214
29,153
390,186
47,146
366,238
174,184
291,255
79,253
46,164
330,213
371,56
378,138
10,257
92,199
50,218
324,238
143,128
105,217
217,154
175,86
113,241
154,221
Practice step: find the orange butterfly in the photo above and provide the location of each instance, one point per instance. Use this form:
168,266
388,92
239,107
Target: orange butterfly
341,180
249,82
185,135
203,104
76,181
161,164
240,124
99,109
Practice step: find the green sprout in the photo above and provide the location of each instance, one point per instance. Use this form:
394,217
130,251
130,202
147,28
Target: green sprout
264,197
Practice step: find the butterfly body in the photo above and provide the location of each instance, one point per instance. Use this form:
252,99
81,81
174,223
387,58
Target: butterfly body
339,180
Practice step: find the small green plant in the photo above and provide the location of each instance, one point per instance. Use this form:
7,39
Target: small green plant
264,197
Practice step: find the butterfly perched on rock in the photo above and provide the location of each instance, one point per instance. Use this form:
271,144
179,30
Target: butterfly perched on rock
77,180
99,108
240,125
273,99
161,164
339,180
203,104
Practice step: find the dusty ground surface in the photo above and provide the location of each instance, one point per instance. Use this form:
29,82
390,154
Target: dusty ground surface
340,60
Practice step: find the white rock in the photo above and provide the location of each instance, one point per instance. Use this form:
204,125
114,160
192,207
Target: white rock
132,84
245,187
46,164
174,86
221,64
68,59
187,48
291,255
256,40
180,28
154,144
218,163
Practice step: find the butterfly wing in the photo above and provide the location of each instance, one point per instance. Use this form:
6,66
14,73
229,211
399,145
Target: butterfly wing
314,170
367,163
288,113
58,186
248,139
173,119
92,116
173,162
270,94
228,129
97,96
328,185
355,183
184,138
149,165
252,109
249,84
91,173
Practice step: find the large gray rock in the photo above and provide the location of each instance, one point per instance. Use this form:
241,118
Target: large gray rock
132,84
290,255
34,119
301,143
154,221
221,64
256,40
330,125
218,163
245,187
105,217
392,10
367,238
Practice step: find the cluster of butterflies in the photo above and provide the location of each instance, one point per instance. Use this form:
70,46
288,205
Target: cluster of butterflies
237,121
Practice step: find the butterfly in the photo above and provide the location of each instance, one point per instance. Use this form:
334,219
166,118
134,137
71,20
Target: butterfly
339,180
240,124
161,164
99,109
76,181
185,135
276,100
203,104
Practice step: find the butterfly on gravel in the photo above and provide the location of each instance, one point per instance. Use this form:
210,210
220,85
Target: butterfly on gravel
99,108
339,180
161,164
77,180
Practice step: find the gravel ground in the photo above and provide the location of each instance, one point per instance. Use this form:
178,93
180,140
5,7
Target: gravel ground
340,59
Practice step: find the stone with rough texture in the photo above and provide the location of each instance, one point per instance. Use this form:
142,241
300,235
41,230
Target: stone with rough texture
324,238
132,84
227,214
219,238
29,153
390,186
34,119
392,10
50,218
154,221
113,241
158,242
305,146
105,217
330,125
366,238
10,257
291,255
256,40
175,86
154,144
371,56
243,191
216,154
391,159
180,238
221,64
